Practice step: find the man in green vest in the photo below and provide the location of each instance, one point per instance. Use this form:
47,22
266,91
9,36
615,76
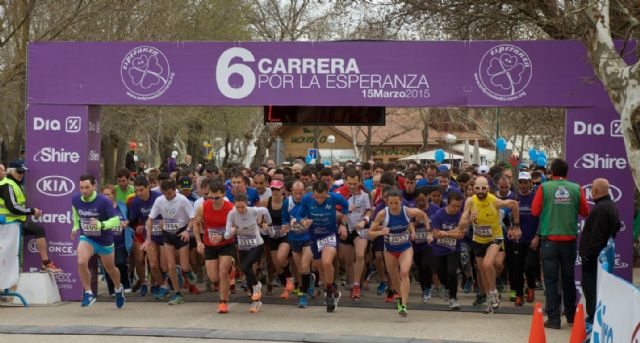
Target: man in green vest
13,208
558,203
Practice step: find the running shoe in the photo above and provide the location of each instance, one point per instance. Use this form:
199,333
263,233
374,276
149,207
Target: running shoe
255,307
382,287
193,278
223,308
481,299
402,310
519,301
289,286
488,309
303,302
120,299
193,289
495,300
176,299
391,296
531,295
50,268
453,304
257,292
136,286
355,293
88,299
180,278
512,295
468,286
311,292
297,292
162,293
144,289
426,295
332,301
284,294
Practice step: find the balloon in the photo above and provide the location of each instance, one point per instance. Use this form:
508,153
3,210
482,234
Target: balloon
542,154
501,144
541,161
439,155
533,154
307,159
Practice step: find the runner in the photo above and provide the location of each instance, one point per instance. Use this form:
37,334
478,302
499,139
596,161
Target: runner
243,223
446,247
319,213
239,186
394,223
139,209
120,250
94,217
422,251
177,219
279,246
299,239
482,210
211,220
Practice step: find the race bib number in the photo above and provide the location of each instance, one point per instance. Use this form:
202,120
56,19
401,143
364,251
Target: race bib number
449,243
87,228
397,238
247,242
364,233
297,228
276,231
171,226
156,228
212,233
482,231
329,241
117,231
421,236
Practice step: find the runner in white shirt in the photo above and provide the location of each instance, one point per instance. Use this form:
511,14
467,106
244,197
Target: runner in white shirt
177,213
243,223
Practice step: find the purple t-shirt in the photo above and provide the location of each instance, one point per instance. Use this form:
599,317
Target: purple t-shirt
445,222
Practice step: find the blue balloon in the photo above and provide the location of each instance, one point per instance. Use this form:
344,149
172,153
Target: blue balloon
542,154
533,154
541,161
501,144
307,159
439,155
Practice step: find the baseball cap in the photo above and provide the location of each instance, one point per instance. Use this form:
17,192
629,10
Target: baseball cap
443,167
483,169
18,164
133,145
276,184
524,176
185,183
174,154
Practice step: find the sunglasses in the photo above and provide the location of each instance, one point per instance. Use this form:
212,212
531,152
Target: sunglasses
276,189
481,188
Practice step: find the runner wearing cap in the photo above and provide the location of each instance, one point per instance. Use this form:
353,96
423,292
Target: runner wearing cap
483,170
482,210
278,244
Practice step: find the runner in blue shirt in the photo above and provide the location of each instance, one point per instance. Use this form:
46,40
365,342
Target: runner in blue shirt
238,186
319,213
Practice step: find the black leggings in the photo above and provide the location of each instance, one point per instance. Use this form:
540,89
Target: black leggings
447,269
422,261
32,229
521,260
247,259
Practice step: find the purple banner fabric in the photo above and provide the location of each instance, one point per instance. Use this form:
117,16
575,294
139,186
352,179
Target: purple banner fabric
595,148
58,151
407,74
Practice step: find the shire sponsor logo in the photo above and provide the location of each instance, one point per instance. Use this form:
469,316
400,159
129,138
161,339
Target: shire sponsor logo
53,155
597,161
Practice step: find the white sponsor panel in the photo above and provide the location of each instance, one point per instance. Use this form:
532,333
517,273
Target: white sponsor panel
617,316
55,185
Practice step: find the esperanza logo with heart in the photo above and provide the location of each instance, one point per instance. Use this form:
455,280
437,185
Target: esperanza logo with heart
504,72
146,73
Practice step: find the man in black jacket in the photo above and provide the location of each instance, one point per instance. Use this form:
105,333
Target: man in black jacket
601,224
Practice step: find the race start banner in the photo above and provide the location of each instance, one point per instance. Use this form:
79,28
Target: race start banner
68,80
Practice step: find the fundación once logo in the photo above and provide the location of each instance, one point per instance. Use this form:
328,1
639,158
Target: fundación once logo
146,73
504,72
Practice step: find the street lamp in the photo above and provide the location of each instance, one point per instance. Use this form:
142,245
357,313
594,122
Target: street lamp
450,139
331,139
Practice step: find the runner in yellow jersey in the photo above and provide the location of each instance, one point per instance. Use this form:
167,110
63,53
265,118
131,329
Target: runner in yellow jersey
482,211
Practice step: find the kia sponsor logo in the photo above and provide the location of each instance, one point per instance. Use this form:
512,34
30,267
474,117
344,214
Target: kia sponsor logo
49,154
614,192
72,124
55,185
597,161
54,218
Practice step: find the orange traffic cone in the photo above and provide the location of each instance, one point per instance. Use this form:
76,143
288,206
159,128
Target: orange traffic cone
536,335
579,331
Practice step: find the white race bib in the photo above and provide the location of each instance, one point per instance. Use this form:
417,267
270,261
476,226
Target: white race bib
482,231
212,233
156,228
87,228
421,236
329,241
171,225
449,243
247,242
276,231
364,233
397,238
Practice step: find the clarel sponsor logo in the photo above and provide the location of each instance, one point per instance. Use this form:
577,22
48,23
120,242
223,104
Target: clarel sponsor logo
54,218
49,154
597,161
614,192
55,185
